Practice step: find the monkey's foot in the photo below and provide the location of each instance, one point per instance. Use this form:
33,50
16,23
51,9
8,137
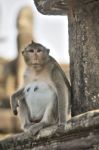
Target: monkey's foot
27,126
47,132
60,128
63,128
34,129
51,130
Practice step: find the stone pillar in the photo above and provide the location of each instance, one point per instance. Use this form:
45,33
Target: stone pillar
25,35
84,54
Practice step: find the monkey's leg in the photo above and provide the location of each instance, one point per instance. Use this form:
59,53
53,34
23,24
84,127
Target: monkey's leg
47,120
62,93
24,115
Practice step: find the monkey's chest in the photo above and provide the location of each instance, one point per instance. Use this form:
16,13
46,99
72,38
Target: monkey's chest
38,96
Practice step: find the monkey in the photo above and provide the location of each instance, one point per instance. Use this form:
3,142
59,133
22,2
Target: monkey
44,99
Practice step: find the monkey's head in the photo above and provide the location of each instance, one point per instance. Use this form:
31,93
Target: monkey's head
35,54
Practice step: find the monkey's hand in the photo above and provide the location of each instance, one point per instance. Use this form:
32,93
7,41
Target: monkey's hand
14,104
18,95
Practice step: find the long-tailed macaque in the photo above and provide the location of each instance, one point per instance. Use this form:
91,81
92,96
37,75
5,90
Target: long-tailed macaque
44,98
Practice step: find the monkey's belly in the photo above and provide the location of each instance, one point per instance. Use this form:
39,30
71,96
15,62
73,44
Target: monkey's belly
38,96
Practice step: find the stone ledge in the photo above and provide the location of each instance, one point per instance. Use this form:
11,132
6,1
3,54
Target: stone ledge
81,132
57,7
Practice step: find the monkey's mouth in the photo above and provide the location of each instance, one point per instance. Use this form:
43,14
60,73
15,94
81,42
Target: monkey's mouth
35,64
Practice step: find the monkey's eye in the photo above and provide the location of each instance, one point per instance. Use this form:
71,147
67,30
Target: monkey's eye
31,51
39,50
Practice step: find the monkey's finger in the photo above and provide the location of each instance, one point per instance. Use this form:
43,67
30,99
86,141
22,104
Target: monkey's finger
15,112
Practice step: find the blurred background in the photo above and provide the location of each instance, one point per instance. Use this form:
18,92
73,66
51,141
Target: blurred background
20,22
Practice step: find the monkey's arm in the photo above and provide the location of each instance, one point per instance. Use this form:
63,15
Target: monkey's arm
18,95
62,72
59,73
62,93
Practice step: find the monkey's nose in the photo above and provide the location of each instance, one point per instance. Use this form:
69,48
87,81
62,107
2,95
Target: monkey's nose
35,57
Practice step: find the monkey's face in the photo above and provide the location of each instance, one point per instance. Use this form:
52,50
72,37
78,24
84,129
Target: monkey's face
35,55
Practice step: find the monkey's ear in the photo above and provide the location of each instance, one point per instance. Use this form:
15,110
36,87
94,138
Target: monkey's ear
48,51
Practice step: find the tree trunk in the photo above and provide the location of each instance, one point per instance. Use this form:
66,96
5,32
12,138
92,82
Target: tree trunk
84,55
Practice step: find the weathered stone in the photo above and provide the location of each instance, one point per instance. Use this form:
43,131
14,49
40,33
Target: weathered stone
81,132
84,56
